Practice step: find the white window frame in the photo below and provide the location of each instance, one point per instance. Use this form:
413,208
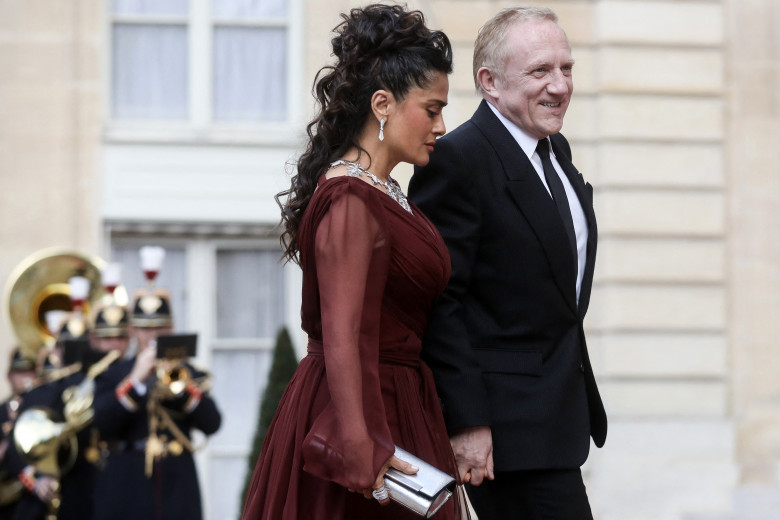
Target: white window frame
200,127
201,254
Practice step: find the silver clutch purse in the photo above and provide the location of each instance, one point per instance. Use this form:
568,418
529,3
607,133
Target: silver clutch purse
425,491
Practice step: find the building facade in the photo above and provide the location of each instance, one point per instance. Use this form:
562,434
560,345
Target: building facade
131,122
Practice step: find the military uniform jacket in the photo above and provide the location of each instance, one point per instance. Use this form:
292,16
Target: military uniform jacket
6,474
78,482
123,490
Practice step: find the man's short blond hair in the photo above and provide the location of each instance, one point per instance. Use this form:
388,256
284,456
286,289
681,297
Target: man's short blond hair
490,49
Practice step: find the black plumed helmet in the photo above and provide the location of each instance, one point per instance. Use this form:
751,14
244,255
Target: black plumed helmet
152,308
111,321
19,363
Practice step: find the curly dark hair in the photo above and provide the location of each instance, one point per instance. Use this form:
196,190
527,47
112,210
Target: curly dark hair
376,47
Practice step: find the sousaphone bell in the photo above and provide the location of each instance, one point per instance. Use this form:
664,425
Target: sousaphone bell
39,284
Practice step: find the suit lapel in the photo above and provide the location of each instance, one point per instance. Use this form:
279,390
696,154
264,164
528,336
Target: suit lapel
530,196
585,194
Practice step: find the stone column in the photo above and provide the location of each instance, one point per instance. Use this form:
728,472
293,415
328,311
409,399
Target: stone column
753,177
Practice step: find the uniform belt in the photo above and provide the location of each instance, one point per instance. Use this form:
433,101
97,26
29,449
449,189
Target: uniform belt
169,447
138,446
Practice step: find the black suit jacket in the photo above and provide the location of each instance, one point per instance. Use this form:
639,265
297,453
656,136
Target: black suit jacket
506,341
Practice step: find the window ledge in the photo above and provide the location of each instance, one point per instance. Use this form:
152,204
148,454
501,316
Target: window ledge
283,135
131,228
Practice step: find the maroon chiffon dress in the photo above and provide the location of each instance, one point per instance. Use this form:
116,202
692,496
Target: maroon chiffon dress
371,271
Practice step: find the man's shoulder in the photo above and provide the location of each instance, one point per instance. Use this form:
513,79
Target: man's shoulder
477,124
464,133
44,395
456,151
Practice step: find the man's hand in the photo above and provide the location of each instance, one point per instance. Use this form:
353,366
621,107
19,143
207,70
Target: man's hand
145,362
46,488
473,448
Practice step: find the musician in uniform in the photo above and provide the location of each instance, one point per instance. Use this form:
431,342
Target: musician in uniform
61,492
42,440
149,470
21,377
108,340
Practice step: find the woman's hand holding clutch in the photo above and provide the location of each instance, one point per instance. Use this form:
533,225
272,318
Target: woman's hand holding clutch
378,491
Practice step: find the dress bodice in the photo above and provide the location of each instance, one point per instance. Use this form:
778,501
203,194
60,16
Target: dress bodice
409,262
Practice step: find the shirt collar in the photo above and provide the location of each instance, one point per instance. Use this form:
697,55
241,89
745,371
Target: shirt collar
526,142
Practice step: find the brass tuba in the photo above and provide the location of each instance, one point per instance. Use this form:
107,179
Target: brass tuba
39,284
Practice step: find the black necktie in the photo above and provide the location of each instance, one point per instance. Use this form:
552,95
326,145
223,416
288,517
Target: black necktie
558,193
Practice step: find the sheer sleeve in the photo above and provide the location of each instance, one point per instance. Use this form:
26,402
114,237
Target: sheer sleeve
350,440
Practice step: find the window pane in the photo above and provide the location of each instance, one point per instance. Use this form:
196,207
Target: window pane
249,8
238,373
149,71
250,296
225,483
173,277
250,74
151,7
244,374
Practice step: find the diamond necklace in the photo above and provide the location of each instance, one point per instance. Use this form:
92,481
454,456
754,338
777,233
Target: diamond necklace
392,187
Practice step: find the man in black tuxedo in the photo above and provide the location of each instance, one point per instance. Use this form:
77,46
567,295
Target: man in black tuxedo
506,340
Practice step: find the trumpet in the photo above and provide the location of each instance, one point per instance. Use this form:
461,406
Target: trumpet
173,376
173,373
174,379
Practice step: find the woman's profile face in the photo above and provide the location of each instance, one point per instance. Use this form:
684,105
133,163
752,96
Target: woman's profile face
412,128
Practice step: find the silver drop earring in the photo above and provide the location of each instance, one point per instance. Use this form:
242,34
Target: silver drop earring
382,129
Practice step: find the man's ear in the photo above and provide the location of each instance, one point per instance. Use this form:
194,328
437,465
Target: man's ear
487,81
382,103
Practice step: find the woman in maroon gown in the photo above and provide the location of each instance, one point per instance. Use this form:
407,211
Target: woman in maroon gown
372,265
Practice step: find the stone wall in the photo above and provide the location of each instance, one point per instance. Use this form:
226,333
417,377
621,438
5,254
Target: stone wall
51,104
